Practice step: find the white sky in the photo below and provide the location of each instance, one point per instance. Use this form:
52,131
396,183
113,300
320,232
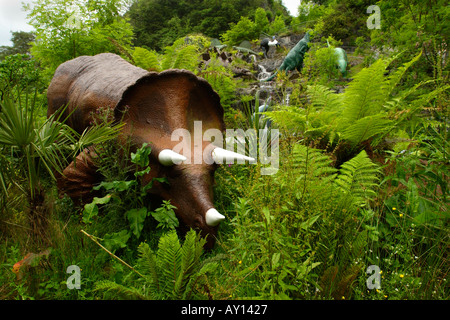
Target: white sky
13,18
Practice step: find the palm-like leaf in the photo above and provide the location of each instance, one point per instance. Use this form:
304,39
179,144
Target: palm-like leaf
47,147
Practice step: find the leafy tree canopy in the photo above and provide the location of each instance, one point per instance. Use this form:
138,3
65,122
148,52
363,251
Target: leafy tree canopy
158,23
66,29
21,44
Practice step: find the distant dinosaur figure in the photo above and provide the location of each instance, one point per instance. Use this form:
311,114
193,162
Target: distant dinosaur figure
245,47
294,59
342,61
266,43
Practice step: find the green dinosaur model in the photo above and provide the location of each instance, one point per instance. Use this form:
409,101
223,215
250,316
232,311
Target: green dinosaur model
342,61
294,59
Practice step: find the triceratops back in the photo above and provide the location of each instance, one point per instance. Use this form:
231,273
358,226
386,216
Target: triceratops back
167,100
89,82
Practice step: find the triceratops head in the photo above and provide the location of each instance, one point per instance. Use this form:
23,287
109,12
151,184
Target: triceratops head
170,111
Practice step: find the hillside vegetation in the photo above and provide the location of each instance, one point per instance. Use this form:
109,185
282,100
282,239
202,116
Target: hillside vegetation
358,208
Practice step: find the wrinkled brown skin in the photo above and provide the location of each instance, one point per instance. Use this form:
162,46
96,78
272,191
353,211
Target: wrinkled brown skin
157,104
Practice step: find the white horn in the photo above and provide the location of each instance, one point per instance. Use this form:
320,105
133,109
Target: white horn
221,155
168,157
213,217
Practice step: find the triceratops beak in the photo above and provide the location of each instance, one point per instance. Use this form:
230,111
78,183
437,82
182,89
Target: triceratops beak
168,157
221,155
213,217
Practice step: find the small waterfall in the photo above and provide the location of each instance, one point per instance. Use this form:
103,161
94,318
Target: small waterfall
263,74
288,98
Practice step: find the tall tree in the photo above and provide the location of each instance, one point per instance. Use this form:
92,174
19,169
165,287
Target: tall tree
21,44
66,29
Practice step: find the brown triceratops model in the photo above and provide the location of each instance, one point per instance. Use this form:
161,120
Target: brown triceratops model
151,105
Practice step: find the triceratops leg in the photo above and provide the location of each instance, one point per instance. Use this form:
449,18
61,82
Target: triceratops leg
79,177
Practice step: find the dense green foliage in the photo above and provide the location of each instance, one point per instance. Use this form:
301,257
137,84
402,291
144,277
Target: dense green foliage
158,23
362,176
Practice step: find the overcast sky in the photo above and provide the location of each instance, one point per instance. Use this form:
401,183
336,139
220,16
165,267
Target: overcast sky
13,18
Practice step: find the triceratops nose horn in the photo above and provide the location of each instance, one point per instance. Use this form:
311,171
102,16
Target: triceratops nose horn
213,217
221,155
168,157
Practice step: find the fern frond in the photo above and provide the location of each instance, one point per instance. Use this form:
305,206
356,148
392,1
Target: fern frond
120,290
312,163
187,59
146,59
191,251
181,57
291,119
147,266
358,178
169,258
364,95
367,127
323,98
392,81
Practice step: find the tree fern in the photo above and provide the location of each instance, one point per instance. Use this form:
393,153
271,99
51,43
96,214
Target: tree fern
364,96
357,178
366,128
324,99
393,79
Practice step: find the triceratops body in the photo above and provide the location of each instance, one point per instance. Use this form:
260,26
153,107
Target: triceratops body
152,105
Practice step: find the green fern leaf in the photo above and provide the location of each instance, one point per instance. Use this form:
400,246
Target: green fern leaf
366,128
323,98
191,251
357,178
147,266
180,56
392,81
169,258
119,290
364,95
291,119
312,163
146,59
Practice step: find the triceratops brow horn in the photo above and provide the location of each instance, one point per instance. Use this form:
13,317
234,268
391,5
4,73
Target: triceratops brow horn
222,156
168,157
213,217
